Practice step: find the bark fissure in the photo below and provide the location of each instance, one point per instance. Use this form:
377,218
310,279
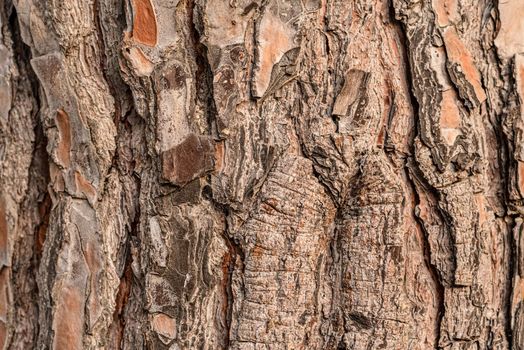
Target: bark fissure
511,272
435,274
410,176
28,189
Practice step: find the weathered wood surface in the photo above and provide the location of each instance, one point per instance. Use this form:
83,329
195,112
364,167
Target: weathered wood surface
267,174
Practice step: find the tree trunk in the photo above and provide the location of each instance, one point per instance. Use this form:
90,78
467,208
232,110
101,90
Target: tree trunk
262,174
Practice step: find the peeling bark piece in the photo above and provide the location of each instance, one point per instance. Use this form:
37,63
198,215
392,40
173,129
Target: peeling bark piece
446,11
142,65
274,38
39,36
144,23
85,188
462,69
225,89
64,146
450,119
50,71
226,24
189,160
175,105
165,326
510,39
175,77
57,181
354,84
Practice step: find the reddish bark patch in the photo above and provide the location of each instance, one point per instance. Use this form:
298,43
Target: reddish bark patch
189,160
164,325
142,64
69,323
480,200
56,177
449,117
275,39
458,53
4,302
219,156
85,187
4,296
144,23
256,252
94,263
510,40
449,114
64,147
380,138
445,10
44,210
124,289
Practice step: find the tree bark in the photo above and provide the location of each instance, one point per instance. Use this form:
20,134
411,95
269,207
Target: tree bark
262,174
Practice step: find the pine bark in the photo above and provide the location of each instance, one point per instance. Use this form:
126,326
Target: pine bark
262,174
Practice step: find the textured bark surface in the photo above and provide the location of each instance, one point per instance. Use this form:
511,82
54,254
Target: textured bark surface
262,174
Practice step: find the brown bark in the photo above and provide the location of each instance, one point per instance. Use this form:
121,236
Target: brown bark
267,174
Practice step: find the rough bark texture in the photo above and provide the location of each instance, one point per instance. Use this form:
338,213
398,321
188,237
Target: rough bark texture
262,174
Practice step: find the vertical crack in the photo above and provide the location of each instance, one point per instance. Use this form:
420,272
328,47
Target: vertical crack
204,88
433,270
500,101
35,206
512,255
506,147
410,175
234,254
204,73
125,285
